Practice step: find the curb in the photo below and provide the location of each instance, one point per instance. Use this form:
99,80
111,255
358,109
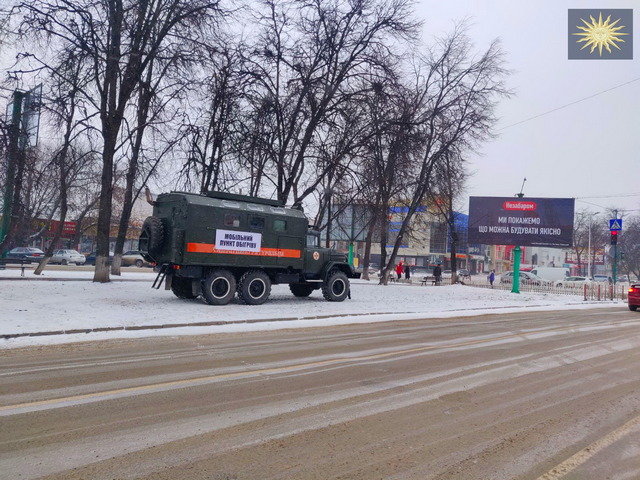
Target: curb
212,323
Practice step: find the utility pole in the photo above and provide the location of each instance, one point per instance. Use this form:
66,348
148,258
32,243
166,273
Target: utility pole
12,160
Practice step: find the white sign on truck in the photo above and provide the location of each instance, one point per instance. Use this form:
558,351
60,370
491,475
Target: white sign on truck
238,241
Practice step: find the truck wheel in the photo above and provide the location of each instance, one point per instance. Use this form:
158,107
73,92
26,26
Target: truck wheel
300,289
181,288
152,236
219,287
336,288
633,308
254,287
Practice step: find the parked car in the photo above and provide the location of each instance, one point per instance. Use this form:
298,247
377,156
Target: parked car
28,254
526,278
624,279
91,258
133,257
634,297
446,274
64,257
602,278
572,282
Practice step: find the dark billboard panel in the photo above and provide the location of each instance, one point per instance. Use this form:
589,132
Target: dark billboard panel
535,222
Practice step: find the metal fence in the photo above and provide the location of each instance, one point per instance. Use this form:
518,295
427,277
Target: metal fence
596,291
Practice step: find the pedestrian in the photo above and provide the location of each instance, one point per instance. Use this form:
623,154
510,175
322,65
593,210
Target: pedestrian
407,272
399,270
437,273
492,277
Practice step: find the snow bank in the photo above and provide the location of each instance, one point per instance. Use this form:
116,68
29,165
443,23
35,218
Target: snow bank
36,306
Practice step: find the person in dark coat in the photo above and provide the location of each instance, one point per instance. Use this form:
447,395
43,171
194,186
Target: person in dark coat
407,271
437,272
492,277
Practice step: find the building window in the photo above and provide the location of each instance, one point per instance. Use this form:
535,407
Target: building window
231,220
279,225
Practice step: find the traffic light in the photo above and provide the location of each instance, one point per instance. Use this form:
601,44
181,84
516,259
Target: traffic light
614,237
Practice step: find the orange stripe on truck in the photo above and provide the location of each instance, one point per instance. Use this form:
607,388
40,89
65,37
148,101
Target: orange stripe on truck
264,252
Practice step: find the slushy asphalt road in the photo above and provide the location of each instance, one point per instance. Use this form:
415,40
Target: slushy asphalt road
515,396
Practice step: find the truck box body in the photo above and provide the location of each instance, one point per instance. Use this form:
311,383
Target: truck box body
265,235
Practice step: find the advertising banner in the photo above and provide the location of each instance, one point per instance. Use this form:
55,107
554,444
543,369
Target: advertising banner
238,241
536,222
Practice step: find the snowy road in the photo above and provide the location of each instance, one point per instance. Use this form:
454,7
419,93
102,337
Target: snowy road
544,395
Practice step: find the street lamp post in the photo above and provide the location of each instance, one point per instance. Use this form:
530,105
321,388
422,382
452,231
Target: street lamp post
515,285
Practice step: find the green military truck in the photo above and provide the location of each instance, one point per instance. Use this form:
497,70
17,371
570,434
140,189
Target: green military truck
220,244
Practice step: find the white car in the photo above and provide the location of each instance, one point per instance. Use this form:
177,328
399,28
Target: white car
64,257
602,278
526,278
572,282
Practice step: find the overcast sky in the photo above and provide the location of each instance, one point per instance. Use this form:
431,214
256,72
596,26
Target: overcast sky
585,150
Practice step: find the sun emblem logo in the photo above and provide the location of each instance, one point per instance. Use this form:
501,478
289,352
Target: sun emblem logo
598,34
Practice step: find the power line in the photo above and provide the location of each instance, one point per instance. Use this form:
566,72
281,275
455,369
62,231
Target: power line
612,196
569,104
607,208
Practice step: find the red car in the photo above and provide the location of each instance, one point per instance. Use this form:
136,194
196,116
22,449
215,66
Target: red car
634,297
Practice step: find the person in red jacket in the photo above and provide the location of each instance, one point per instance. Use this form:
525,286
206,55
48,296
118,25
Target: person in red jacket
399,270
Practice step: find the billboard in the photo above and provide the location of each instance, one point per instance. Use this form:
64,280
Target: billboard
536,222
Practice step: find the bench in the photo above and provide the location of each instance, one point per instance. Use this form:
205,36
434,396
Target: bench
430,278
6,261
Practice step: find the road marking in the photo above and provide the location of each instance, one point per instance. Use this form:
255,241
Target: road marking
61,401
574,461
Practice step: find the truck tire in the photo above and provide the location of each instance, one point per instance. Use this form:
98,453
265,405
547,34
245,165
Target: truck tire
152,236
301,289
633,308
336,287
219,287
254,287
181,288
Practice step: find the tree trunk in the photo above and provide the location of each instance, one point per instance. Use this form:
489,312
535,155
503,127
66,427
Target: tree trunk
124,220
56,236
64,206
366,261
384,237
454,258
329,214
101,272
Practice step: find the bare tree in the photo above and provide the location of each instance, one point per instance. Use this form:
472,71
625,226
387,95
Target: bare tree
213,117
118,40
155,93
629,245
307,63
69,114
457,94
449,177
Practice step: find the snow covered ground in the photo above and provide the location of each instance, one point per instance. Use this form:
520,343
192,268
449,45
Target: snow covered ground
37,306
